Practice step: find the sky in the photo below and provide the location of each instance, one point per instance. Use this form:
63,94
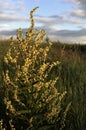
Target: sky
63,20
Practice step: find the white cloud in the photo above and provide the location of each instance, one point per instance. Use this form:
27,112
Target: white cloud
78,13
79,10
11,18
57,27
74,21
65,35
57,20
10,9
4,26
75,2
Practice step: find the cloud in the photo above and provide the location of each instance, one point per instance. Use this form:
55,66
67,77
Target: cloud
82,4
78,13
10,10
7,33
55,20
79,10
11,18
68,36
57,27
4,26
10,32
49,21
51,25
62,35
71,33
11,5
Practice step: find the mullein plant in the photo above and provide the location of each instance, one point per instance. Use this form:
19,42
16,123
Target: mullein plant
31,98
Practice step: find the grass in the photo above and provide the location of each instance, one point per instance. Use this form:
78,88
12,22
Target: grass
24,84
72,73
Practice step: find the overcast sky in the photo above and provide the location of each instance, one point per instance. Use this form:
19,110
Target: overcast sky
63,20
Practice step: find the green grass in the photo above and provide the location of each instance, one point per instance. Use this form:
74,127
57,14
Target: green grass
72,73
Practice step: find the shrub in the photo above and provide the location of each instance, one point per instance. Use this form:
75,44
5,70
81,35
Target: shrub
31,98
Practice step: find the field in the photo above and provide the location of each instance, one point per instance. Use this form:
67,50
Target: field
73,78
72,73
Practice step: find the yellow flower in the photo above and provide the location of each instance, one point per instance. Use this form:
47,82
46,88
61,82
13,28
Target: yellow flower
6,59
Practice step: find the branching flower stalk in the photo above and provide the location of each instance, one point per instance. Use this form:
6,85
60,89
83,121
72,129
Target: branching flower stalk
31,97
